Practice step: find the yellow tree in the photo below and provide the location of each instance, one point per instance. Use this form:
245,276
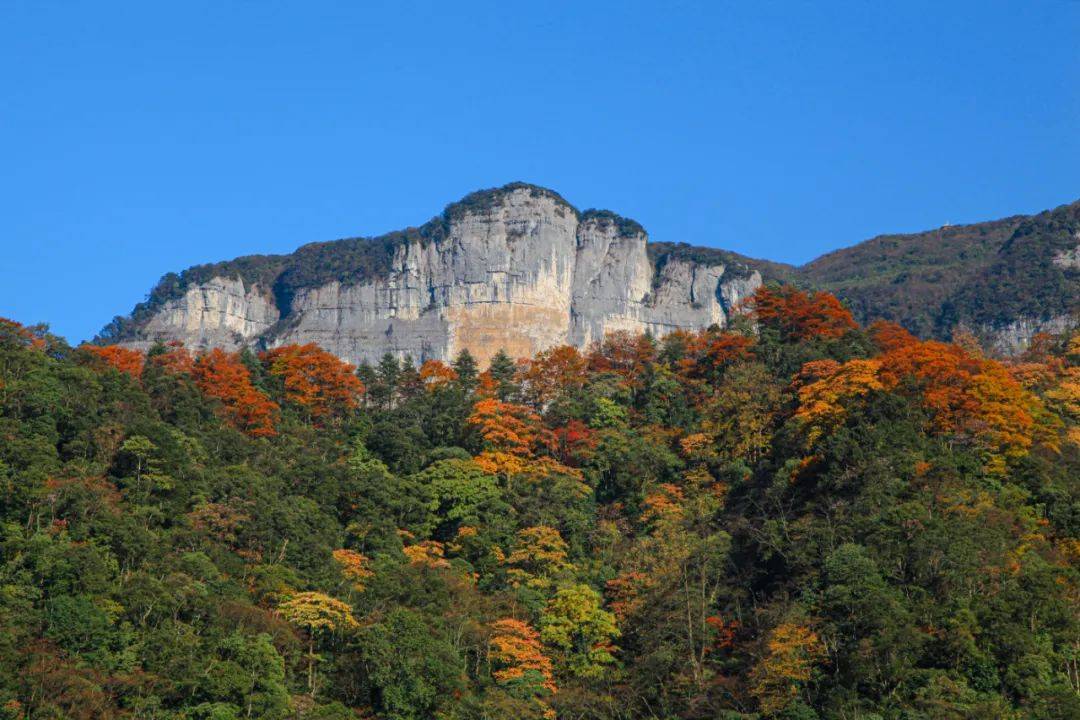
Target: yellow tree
317,614
821,400
791,653
737,419
426,553
673,575
1064,396
355,567
575,624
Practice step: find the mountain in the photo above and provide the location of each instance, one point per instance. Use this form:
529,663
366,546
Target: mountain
521,269
1005,279
517,268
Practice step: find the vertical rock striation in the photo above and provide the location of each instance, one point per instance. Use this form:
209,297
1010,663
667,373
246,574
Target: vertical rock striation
516,268
220,312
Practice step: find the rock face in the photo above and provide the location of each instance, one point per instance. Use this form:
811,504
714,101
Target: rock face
1016,337
220,312
520,269
516,268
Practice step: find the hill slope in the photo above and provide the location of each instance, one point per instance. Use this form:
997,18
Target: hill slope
810,522
1005,279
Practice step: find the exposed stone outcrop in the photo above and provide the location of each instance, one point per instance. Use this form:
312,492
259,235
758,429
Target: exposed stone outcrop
1016,337
617,287
220,312
517,269
1069,258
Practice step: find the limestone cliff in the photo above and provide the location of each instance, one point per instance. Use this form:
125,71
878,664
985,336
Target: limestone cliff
517,268
220,312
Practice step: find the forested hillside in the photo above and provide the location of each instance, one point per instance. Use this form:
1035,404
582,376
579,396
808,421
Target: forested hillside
794,518
994,277
909,278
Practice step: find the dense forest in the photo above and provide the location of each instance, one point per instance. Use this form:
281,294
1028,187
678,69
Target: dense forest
793,517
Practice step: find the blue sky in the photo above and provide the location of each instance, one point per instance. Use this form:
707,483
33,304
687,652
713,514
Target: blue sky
139,138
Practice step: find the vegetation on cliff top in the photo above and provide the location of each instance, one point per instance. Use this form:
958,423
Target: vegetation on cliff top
981,275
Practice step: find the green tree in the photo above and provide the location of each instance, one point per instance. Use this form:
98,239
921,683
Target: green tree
583,633
459,493
412,669
502,370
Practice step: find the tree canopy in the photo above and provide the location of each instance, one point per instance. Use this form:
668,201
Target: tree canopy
792,517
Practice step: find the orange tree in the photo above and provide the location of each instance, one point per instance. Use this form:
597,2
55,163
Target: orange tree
315,379
126,360
799,315
224,377
507,427
517,657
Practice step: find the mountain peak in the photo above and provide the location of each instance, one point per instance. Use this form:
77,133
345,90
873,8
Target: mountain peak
516,268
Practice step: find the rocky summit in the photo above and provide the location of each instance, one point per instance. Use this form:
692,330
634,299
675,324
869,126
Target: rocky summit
518,268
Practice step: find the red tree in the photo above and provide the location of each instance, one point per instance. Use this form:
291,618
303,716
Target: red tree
624,353
552,372
176,360
123,359
223,376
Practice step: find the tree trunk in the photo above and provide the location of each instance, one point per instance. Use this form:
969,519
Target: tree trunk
311,665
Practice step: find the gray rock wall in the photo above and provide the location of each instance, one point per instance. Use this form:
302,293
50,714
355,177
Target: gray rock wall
523,274
1016,337
221,312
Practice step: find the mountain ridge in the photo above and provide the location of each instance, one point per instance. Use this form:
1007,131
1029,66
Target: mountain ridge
931,282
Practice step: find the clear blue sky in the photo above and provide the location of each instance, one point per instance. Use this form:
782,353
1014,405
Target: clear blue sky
138,138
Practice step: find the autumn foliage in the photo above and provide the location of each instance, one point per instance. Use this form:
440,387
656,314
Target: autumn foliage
426,553
435,374
734,522
223,376
538,557
315,379
517,655
791,653
552,372
125,360
827,386
19,334
800,315
624,353
965,394
355,567
508,427
173,359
